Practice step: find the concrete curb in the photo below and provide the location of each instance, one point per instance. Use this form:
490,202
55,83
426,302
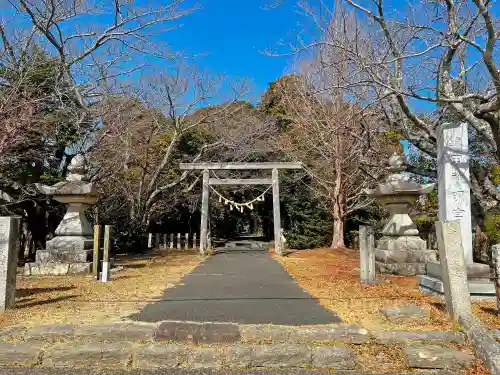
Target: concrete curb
260,334
390,337
487,347
173,344
177,356
239,356
194,333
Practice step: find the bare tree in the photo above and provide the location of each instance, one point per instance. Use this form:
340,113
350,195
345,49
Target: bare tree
50,111
331,137
141,154
129,29
334,128
437,56
93,43
15,117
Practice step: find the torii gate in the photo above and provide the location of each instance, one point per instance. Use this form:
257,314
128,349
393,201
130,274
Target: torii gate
207,181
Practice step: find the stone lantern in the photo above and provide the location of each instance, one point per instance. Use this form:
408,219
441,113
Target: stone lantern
70,252
400,250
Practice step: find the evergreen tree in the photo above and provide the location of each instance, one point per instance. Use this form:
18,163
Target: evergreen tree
307,223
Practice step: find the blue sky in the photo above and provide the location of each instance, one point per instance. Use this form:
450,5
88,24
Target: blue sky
233,34
223,36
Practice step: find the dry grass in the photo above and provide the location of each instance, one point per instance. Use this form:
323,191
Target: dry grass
332,276
83,300
383,359
380,358
488,313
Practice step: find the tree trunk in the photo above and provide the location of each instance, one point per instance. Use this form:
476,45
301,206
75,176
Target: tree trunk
24,240
480,247
339,205
338,233
37,228
338,221
131,211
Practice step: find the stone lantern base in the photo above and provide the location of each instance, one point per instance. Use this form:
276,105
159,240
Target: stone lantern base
57,269
403,255
67,244
70,252
64,255
60,262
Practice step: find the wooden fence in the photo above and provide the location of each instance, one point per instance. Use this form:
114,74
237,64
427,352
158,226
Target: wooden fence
173,241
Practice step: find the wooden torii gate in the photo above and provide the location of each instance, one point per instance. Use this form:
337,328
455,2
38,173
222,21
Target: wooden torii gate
207,181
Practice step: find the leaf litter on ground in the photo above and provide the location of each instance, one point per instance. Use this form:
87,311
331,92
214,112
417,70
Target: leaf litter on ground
81,299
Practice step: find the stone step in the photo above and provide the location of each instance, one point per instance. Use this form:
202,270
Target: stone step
437,357
409,313
206,345
238,249
409,337
220,333
17,370
243,244
475,271
174,355
478,289
238,356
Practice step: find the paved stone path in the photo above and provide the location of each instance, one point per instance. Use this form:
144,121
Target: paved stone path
247,287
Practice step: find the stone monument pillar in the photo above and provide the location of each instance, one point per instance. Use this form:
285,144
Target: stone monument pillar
9,236
70,252
455,205
495,263
453,269
454,181
400,251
